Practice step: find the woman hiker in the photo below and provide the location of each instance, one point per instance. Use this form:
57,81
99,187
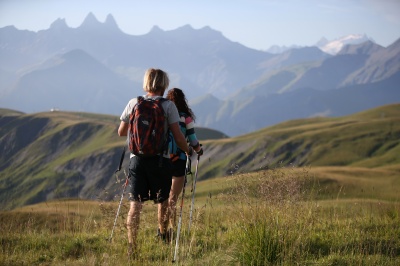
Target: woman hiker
178,157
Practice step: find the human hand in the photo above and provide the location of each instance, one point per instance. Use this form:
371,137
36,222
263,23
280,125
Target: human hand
200,152
190,153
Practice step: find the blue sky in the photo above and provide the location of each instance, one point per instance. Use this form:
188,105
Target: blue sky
257,24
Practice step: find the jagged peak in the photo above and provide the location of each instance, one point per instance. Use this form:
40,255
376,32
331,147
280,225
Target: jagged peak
10,28
110,22
185,27
209,30
59,24
156,28
188,30
323,41
90,21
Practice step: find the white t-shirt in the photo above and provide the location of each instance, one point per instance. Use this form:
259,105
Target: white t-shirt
171,112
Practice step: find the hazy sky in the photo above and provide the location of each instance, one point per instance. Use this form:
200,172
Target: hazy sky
254,23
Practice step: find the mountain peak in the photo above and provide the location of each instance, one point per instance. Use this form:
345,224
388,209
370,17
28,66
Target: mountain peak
323,41
110,22
185,27
76,54
156,29
209,30
333,47
367,47
59,24
90,22
189,32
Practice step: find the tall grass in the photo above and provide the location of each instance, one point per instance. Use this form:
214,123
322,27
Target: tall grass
282,223
273,217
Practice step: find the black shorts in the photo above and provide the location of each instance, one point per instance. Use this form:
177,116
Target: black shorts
178,168
149,181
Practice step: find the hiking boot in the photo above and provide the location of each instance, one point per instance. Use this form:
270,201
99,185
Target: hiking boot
166,237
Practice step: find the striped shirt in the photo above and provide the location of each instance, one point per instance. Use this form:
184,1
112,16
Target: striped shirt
186,124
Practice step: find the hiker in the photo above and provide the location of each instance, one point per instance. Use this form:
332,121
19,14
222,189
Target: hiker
150,178
178,157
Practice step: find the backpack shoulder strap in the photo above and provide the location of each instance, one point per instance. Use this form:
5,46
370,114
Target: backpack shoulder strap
161,99
139,100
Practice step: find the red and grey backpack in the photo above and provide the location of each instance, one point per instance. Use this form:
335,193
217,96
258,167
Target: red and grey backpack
146,132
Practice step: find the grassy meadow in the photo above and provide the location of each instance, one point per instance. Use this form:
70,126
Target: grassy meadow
282,216
317,191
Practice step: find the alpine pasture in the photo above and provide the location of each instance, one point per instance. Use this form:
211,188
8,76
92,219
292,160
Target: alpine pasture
324,192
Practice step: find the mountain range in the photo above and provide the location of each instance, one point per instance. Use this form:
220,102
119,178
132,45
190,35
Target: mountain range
97,68
331,47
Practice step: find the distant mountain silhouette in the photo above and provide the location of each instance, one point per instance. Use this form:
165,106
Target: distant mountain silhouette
360,77
335,46
97,68
74,81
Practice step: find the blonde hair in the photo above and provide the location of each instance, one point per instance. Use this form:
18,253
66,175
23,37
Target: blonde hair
155,80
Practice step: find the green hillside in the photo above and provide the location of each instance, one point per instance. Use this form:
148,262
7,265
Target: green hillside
339,207
367,139
56,155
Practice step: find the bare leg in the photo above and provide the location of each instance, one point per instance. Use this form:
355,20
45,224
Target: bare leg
176,188
132,223
163,216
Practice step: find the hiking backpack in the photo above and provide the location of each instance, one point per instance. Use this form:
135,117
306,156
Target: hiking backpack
146,132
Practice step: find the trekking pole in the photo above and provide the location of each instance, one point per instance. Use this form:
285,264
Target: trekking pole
122,195
193,191
181,207
121,161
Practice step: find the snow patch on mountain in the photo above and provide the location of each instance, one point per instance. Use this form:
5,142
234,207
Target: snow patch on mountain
330,47
334,46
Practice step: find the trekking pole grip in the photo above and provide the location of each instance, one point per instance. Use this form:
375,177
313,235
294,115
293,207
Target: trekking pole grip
121,161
